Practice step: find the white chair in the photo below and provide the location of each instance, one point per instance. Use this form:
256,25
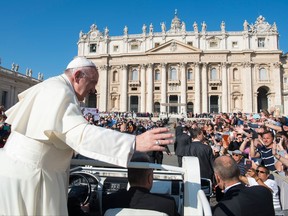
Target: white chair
130,211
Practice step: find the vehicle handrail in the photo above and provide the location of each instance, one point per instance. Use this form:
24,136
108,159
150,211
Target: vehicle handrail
204,202
89,162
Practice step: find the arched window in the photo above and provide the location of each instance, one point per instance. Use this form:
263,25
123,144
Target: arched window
236,74
173,74
134,76
157,107
115,76
213,74
263,74
190,74
157,75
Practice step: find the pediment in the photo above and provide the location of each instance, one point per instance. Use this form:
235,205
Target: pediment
173,46
213,38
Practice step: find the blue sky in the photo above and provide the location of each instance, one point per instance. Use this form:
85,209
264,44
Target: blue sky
43,34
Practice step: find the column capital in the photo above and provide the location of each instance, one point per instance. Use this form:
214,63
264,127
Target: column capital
103,67
225,64
124,66
277,64
247,64
163,65
150,65
143,66
197,64
183,64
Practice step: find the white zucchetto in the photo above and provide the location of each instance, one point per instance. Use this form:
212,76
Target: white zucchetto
78,62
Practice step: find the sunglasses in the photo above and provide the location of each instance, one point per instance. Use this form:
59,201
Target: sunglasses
235,154
259,171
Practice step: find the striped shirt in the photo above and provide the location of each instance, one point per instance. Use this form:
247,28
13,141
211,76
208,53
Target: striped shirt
267,158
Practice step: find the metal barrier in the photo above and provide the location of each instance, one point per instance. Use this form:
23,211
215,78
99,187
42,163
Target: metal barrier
282,182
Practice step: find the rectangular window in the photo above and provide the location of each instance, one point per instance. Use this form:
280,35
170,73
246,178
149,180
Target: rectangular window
156,44
116,48
190,43
261,42
214,88
234,44
4,98
157,88
190,88
213,44
93,48
134,46
133,89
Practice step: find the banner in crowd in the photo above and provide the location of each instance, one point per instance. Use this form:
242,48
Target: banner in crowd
92,111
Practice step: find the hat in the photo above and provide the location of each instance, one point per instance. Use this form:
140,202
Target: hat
256,116
237,151
79,61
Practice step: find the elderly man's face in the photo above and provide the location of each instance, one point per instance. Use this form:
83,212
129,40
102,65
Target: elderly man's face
86,80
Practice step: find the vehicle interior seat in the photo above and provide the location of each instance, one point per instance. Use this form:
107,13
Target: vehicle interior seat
130,211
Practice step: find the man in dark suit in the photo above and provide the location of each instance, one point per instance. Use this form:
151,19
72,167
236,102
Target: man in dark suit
238,199
204,153
183,141
139,196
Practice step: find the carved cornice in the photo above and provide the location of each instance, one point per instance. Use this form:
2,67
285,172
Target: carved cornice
174,82
134,83
215,83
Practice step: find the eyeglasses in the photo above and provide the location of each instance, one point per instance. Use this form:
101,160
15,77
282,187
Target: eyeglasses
261,171
239,137
235,154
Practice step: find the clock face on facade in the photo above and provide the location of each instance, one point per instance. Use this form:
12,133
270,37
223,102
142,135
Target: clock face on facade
93,35
262,27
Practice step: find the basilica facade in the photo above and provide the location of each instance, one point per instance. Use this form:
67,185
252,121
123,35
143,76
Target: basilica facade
13,83
177,70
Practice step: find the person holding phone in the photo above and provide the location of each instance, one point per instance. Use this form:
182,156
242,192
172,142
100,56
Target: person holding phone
237,155
260,176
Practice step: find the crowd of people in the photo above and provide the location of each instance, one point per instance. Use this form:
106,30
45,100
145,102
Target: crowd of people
257,143
232,149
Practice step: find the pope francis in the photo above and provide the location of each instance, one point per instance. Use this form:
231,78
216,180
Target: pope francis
47,127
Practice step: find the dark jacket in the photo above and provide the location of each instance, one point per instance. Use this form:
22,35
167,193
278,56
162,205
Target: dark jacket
205,157
140,198
245,201
183,141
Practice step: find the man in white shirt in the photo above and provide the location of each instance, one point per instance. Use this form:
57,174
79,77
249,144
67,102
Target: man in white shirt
261,177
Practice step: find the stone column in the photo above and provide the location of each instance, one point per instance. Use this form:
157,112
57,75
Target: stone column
224,88
247,88
197,104
103,87
204,88
277,80
143,88
124,89
163,87
149,103
183,109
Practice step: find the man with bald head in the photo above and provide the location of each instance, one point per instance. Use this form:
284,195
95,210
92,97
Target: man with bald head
47,127
238,199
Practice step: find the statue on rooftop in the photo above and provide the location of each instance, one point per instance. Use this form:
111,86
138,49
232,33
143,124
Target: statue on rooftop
163,27
195,26
144,28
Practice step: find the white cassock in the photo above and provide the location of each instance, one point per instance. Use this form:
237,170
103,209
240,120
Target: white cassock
47,126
